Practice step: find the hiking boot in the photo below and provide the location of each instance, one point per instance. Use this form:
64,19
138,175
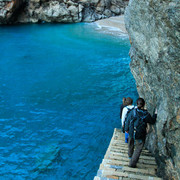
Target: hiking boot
131,166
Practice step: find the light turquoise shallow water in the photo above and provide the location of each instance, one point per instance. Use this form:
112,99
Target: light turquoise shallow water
60,91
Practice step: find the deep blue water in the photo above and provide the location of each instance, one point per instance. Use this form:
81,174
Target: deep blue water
60,91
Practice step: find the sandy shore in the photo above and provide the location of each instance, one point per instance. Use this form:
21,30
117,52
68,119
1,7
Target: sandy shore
113,25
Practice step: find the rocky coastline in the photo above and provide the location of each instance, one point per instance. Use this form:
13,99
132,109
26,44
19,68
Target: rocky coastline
64,11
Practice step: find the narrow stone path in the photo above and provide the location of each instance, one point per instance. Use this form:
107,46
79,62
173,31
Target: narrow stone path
116,161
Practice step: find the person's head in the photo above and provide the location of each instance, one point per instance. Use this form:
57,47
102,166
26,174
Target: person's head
129,101
140,103
124,101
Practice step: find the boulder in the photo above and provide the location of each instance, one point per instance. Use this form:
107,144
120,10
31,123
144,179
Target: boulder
107,13
88,15
115,9
55,11
73,10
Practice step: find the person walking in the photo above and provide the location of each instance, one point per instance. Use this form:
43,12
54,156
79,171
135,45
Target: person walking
136,127
125,111
121,108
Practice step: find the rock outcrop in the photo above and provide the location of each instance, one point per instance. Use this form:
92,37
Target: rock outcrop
66,11
8,10
154,31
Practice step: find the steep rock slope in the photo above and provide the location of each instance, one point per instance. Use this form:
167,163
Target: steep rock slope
154,31
66,11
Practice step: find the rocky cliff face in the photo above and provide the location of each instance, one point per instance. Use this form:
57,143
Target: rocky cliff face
66,11
154,30
8,10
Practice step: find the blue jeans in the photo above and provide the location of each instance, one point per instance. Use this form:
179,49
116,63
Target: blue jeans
126,137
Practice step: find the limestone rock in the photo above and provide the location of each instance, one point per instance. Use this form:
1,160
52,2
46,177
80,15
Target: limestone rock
115,9
88,15
100,8
153,28
80,8
73,10
116,2
107,13
94,1
70,3
8,10
59,10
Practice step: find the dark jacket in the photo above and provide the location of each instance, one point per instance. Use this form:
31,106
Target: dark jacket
134,115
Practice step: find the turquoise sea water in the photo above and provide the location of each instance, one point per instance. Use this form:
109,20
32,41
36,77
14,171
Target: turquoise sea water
60,91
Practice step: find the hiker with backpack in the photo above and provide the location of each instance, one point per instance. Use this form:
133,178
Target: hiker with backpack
136,127
125,113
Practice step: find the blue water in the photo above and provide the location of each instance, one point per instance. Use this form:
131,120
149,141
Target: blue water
60,91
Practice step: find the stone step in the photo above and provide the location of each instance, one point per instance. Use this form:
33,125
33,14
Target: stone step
120,146
116,161
126,163
151,172
112,172
117,157
126,151
126,155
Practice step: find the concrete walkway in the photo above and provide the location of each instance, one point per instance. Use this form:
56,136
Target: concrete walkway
116,161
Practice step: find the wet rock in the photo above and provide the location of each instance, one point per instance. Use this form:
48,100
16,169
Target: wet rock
153,28
46,157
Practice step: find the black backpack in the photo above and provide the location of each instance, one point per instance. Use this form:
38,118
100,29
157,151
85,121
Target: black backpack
138,126
127,114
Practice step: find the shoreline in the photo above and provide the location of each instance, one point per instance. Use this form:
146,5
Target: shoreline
113,25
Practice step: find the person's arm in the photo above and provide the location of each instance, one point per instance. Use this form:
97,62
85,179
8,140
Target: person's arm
124,115
154,117
151,119
121,109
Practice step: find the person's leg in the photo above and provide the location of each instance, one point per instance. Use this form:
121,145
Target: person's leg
130,146
126,137
137,152
122,129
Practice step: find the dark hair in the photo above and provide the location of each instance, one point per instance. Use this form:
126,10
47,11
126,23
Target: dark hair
129,101
140,103
124,101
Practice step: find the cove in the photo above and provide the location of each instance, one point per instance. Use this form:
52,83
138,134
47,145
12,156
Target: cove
61,86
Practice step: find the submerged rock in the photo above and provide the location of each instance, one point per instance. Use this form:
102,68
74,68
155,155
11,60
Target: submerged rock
153,28
45,159
58,10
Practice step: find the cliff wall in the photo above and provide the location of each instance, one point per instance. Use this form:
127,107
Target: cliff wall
66,11
154,30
